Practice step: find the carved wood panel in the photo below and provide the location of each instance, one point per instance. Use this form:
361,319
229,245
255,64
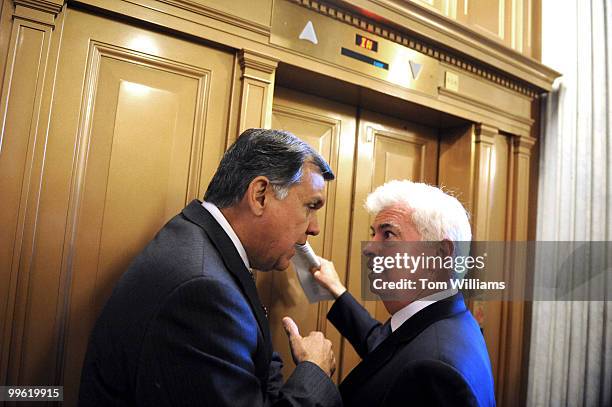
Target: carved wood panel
137,128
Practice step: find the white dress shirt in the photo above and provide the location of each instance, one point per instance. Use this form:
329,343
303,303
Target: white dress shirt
216,213
409,310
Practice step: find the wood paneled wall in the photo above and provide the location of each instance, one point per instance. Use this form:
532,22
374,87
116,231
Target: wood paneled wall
514,23
28,78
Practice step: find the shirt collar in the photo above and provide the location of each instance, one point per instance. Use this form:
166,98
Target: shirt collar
216,213
411,309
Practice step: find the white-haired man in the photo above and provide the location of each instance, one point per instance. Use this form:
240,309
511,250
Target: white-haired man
431,351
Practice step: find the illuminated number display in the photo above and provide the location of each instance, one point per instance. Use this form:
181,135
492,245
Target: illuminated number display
366,43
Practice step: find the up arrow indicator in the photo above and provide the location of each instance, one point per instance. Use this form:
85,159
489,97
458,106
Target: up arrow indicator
415,68
308,33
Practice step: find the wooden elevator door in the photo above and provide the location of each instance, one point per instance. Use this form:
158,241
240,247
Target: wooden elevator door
365,150
330,129
387,148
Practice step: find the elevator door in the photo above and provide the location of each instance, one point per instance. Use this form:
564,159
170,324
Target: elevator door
365,150
388,148
330,129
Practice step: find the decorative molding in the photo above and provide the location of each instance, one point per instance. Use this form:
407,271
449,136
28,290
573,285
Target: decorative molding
28,60
443,55
97,52
478,103
200,9
526,67
254,60
288,111
257,83
484,143
47,6
523,144
485,133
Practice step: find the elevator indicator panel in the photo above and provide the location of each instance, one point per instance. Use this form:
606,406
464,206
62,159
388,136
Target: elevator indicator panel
344,45
364,58
366,43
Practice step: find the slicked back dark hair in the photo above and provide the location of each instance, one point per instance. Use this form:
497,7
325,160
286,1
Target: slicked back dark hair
276,154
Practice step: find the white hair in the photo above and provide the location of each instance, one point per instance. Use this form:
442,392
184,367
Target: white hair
435,214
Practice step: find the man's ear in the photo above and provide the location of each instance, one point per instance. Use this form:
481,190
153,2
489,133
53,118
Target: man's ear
256,194
446,248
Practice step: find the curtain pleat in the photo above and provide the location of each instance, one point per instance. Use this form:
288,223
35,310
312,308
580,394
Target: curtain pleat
571,341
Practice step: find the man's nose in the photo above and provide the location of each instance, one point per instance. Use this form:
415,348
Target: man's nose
369,249
313,226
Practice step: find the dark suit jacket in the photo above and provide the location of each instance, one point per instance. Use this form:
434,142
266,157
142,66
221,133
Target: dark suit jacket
184,326
436,358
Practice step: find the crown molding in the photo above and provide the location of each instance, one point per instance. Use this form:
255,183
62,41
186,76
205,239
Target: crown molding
205,11
527,122
47,6
435,35
524,143
485,134
255,60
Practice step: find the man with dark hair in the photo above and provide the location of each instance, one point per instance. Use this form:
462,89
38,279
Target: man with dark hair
184,325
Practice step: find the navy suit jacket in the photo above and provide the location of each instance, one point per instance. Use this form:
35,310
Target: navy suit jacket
438,357
184,326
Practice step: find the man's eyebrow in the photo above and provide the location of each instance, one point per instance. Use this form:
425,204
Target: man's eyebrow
388,225
384,226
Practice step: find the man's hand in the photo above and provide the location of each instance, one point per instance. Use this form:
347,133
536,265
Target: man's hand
313,348
327,276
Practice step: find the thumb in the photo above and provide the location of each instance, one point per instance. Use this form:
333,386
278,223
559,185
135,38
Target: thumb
316,267
291,328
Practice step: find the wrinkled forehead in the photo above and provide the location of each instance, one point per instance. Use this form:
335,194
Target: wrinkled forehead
396,215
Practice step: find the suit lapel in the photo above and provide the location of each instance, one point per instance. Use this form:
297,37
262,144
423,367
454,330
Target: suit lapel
196,213
404,334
